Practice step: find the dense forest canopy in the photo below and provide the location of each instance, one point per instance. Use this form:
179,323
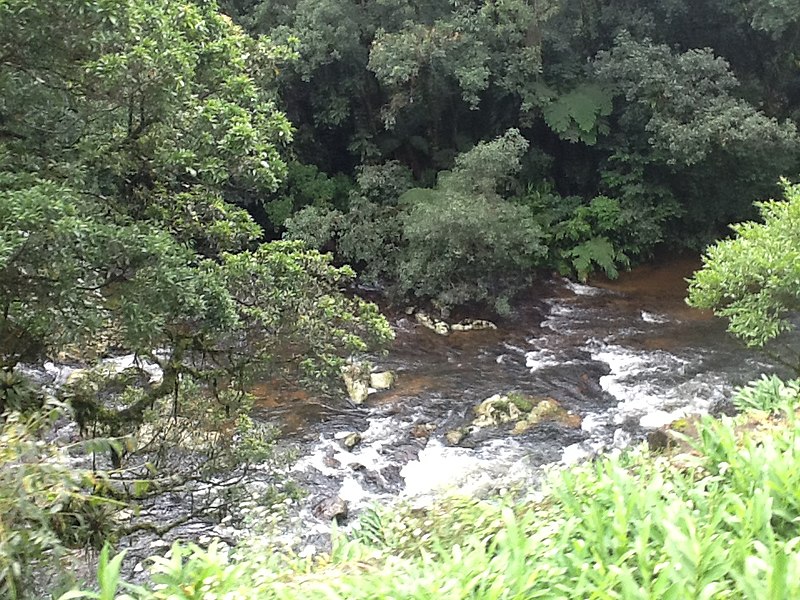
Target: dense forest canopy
200,184
647,123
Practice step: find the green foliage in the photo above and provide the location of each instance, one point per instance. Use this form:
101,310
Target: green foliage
400,79
17,393
683,121
690,98
118,231
753,279
39,491
305,185
128,131
770,394
463,249
314,226
773,16
463,242
684,126
457,243
383,184
580,115
487,169
296,296
605,233
144,89
108,579
68,273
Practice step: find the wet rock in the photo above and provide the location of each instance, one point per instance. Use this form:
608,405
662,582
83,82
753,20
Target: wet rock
351,441
436,325
723,407
496,410
392,478
523,411
673,435
382,381
521,426
546,409
332,509
356,379
472,325
659,440
330,461
373,480
455,436
422,430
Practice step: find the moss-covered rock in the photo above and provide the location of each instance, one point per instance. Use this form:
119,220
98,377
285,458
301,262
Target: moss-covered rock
524,411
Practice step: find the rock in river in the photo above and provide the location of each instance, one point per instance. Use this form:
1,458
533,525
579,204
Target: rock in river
356,379
382,381
351,441
332,509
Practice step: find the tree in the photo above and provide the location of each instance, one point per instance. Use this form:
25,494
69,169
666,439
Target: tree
753,279
457,243
126,131
402,80
681,121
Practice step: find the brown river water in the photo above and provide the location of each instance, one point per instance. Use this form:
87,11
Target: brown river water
620,357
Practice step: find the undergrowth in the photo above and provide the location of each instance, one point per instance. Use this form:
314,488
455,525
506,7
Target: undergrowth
715,517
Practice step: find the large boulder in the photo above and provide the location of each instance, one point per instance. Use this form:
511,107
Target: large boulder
382,381
496,410
523,411
356,380
444,328
436,325
472,325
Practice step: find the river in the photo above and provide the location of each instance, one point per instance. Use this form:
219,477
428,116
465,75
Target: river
621,358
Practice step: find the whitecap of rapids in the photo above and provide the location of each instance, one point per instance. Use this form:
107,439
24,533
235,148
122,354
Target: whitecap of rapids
580,289
463,471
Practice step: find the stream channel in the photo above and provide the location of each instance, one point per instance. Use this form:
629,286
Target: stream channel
618,358
621,358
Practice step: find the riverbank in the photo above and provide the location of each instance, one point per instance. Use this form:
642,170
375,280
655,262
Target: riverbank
714,515
619,361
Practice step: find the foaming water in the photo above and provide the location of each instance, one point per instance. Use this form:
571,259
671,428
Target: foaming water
619,358
440,468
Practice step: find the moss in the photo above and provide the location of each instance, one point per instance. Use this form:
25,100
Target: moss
524,403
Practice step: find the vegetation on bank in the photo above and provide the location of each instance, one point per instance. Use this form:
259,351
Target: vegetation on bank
610,128
714,516
152,152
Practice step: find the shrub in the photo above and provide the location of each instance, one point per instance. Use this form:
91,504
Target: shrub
457,243
603,234
462,248
40,496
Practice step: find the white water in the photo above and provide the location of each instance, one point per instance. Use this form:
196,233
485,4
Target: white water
594,351
644,388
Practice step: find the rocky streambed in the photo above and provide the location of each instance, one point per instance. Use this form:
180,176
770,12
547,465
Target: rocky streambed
578,370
